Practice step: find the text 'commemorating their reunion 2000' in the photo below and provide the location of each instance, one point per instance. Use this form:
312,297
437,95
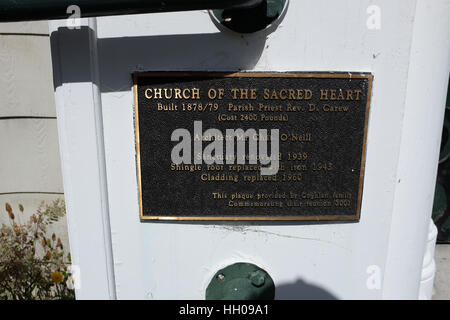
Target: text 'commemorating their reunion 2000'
251,146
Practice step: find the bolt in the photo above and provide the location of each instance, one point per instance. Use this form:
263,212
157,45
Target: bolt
257,278
220,277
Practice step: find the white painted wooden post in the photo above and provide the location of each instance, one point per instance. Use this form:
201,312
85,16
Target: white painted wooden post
380,256
80,127
428,74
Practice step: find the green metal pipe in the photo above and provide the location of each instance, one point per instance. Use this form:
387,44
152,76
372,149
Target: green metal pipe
25,10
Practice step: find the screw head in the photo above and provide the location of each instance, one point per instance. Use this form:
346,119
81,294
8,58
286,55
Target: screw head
220,277
257,278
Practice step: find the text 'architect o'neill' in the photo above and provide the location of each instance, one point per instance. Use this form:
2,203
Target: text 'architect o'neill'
213,152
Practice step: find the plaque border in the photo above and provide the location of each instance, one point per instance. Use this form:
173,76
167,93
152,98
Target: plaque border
211,74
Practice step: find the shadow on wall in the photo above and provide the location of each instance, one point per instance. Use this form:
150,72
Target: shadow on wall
300,290
120,57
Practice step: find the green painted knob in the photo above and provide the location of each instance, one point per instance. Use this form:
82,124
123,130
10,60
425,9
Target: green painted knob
241,281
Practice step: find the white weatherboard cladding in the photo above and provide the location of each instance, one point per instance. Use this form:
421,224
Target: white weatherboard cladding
29,160
177,260
26,75
30,169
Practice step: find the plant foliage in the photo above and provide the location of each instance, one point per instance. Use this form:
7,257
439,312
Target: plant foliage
34,265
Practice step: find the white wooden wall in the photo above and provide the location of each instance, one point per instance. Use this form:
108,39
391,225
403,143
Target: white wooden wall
121,257
30,170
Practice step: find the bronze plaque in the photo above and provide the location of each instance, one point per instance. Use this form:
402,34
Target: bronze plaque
309,128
